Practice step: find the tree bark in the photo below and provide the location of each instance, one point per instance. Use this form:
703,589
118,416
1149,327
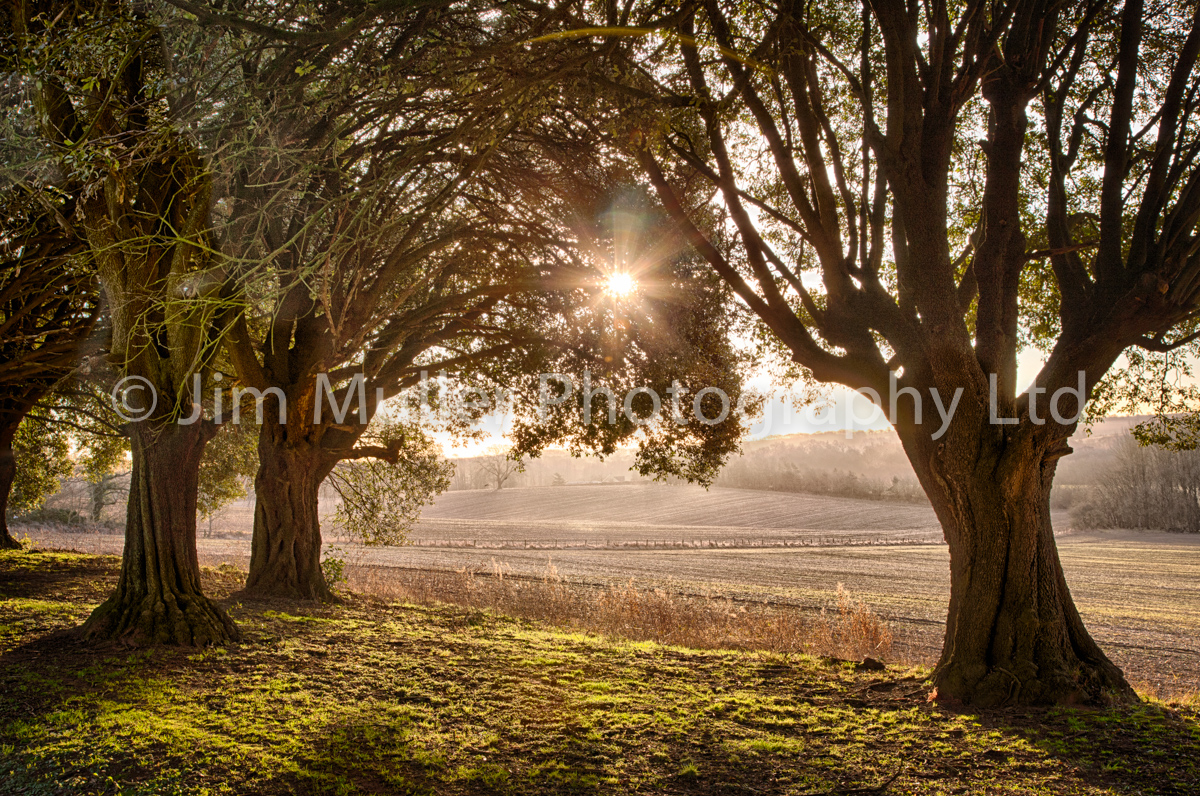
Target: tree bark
158,598
1013,634
8,473
285,557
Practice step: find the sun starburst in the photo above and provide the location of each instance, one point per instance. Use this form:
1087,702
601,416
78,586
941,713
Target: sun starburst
619,284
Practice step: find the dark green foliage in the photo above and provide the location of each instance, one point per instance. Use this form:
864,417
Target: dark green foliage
43,459
227,467
380,499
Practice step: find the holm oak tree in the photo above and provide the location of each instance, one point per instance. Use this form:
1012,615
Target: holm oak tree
909,184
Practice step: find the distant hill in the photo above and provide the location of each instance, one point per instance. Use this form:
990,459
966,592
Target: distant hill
874,458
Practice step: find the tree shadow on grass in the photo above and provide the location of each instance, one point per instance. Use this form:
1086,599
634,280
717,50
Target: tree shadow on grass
48,668
1143,747
62,575
383,756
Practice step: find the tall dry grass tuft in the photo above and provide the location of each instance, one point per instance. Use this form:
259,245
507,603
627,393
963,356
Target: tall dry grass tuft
852,630
1176,694
848,631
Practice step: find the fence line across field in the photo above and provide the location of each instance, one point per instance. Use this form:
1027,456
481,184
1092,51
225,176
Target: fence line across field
837,540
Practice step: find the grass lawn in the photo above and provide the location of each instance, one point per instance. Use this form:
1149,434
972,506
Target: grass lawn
375,697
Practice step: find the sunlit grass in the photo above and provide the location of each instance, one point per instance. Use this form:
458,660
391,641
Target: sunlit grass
377,697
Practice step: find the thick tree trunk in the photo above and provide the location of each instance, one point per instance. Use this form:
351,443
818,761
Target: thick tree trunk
8,473
158,598
285,557
1013,635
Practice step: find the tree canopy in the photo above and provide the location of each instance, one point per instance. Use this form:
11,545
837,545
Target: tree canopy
330,202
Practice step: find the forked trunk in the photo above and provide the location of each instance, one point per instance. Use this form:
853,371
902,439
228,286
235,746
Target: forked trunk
1013,635
8,473
285,557
158,598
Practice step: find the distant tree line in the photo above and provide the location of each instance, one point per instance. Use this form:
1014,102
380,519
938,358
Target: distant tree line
1144,487
773,474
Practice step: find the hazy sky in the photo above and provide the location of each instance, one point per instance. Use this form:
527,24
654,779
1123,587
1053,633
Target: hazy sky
848,411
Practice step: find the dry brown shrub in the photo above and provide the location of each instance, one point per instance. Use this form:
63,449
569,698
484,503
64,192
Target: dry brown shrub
848,631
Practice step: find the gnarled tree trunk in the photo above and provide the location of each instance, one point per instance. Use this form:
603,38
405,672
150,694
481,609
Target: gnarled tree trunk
158,598
1013,634
8,473
285,558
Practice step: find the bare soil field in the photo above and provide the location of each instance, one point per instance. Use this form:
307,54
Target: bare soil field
640,515
657,516
657,504
1138,593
